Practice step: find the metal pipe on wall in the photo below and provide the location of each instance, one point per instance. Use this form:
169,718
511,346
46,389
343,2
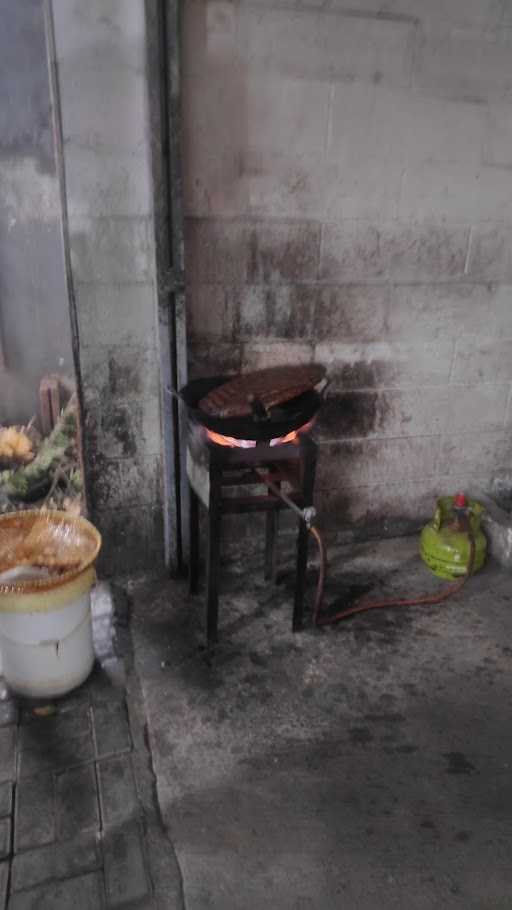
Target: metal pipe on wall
163,29
64,230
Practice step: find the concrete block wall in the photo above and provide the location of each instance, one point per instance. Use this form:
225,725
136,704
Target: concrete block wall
348,191
101,54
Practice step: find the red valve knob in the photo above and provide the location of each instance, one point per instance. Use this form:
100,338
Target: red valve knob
460,501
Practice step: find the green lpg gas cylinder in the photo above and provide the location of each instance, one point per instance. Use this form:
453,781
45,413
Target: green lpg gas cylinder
444,544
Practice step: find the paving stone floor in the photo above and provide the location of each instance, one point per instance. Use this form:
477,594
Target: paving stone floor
79,826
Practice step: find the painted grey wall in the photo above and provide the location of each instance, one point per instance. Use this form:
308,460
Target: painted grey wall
348,174
102,79
34,313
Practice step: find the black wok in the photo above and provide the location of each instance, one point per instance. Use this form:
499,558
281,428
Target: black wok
283,419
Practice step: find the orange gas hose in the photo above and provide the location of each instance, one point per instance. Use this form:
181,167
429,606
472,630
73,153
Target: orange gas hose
322,571
364,606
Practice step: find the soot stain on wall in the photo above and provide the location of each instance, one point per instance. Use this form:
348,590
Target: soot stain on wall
352,414
119,423
123,376
364,374
281,252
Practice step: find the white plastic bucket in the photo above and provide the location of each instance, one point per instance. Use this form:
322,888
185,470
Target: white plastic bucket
46,646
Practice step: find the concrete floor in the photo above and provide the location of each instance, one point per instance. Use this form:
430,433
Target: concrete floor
364,766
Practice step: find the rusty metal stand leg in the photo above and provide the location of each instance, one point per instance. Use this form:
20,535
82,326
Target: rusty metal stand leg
308,483
272,530
212,582
300,577
193,565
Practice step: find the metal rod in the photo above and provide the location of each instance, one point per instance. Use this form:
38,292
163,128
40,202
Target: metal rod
171,391
157,63
307,515
172,38
51,52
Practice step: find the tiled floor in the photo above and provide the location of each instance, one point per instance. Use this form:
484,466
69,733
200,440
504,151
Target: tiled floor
77,819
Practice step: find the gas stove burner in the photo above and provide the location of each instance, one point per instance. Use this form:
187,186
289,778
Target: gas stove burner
291,438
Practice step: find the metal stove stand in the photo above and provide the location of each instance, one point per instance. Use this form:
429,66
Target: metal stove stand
214,468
